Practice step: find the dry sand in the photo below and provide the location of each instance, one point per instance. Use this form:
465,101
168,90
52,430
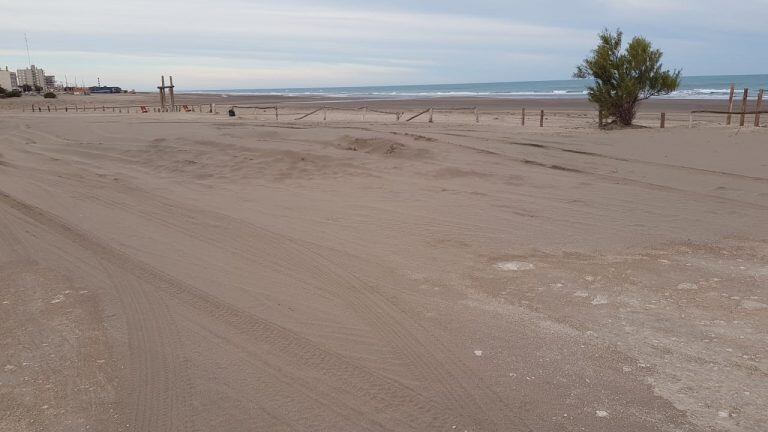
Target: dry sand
191,272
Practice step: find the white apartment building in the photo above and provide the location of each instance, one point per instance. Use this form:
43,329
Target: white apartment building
5,79
32,76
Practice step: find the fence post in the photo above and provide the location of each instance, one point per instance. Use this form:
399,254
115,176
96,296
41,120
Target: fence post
758,106
477,115
522,122
743,117
49,108
730,106
663,120
431,114
541,119
66,108
325,114
365,111
600,119
277,114
690,121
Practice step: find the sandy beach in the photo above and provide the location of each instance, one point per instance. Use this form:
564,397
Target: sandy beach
195,272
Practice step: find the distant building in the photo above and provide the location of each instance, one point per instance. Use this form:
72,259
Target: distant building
32,77
105,89
14,80
5,79
50,82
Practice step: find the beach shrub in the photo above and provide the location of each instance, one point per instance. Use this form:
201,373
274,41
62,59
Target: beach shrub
3,91
11,94
50,95
624,79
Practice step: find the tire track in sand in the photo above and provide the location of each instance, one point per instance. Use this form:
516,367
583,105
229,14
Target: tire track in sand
363,382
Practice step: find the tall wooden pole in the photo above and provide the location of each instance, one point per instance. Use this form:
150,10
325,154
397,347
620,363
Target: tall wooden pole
522,121
758,106
730,106
162,92
663,120
743,118
173,98
541,119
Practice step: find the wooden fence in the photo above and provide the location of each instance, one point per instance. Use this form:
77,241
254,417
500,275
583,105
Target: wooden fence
521,117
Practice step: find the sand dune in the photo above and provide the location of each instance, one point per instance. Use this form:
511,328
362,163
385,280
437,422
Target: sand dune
194,272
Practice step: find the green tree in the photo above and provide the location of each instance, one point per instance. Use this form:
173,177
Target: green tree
622,80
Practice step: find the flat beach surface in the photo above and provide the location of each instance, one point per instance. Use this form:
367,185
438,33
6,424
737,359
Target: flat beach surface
195,272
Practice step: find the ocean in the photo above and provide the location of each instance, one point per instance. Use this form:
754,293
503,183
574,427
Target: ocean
693,87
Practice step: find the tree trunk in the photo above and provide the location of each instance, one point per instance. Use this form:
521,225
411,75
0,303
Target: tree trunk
625,115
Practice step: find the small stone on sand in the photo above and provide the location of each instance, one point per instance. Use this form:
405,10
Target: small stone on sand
753,305
479,353
687,286
600,300
602,414
514,266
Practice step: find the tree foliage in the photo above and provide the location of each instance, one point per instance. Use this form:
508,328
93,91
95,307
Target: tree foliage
50,95
623,79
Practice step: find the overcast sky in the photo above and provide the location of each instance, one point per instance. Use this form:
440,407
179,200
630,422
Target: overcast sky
293,43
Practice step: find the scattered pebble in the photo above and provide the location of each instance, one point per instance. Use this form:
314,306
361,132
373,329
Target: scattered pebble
589,278
602,414
581,294
600,300
9,368
479,353
58,299
514,266
723,414
627,369
687,286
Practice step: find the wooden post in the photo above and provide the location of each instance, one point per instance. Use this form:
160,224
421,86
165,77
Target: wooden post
541,119
213,108
277,114
66,108
522,122
49,108
663,120
730,106
690,121
173,97
325,114
758,106
477,115
600,119
743,117
162,92
431,115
